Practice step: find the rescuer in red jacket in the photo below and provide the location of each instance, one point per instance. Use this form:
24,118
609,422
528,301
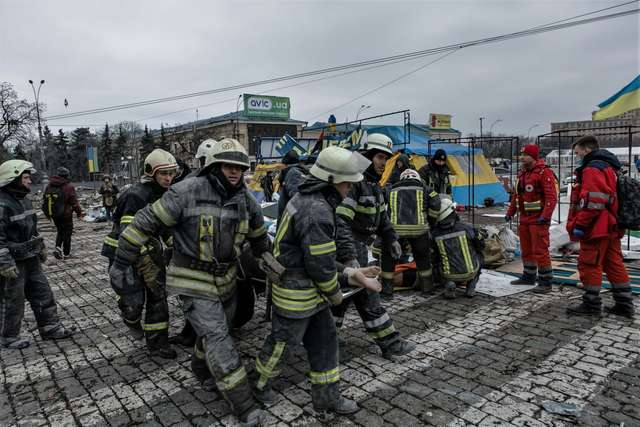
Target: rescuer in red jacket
593,222
534,198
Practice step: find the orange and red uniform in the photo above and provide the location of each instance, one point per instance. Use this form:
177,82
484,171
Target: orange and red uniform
535,198
592,221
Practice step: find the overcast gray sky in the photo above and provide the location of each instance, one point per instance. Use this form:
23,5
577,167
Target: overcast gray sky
99,53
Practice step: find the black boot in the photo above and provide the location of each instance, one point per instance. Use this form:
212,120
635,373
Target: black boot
584,309
387,290
158,345
264,395
55,332
621,310
542,288
186,337
398,348
253,417
450,290
525,279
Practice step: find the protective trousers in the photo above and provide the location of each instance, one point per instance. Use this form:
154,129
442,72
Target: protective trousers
31,284
208,318
64,227
376,320
421,250
319,337
198,360
153,299
534,246
598,256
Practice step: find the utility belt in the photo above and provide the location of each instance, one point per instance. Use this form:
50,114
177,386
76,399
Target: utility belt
532,207
216,268
23,249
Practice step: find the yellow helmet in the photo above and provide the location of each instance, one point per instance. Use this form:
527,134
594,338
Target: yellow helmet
11,169
158,160
228,150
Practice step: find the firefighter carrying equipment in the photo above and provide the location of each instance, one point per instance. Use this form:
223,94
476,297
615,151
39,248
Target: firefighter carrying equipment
11,169
380,142
335,165
229,151
159,160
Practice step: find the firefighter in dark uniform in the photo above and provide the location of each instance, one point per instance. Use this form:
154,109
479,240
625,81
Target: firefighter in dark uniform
210,217
362,215
435,174
145,284
412,207
305,245
290,179
21,253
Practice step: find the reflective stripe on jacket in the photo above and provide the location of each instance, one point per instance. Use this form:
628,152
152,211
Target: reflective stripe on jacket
535,194
458,250
410,204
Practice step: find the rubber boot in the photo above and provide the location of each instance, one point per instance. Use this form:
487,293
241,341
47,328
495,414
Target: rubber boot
398,348
450,290
327,399
158,345
14,343
264,395
186,338
542,288
57,252
525,280
346,406
591,304
55,332
621,310
253,417
426,284
470,291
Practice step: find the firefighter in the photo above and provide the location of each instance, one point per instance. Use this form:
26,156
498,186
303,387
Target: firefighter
435,174
534,198
289,179
361,216
145,284
458,251
21,253
305,244
412,208
209,216
592,221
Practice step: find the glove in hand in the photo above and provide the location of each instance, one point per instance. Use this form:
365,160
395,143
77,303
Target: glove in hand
10,272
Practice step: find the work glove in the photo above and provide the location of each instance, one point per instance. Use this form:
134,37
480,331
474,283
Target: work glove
148,270
271,267
10,272
43,254
578,232
364,278
395,250
542,220
508,218
335,299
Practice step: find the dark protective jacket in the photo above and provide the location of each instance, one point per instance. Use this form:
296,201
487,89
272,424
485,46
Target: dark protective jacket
364,210
305,245
397,170
290,179
594,202
412,206
19,238
71,204
208,225
436,177
457,249
130,201
536,194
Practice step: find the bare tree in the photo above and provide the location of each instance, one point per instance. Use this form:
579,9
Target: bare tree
17,116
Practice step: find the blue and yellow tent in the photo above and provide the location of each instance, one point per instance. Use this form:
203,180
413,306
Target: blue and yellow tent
626,99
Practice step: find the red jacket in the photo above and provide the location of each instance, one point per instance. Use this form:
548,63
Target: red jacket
594,202
536,194
71,204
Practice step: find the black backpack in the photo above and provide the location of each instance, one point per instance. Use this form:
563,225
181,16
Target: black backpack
53,202
628,202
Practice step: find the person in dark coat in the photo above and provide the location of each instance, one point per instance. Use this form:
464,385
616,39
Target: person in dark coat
64,219
402,164
435,174
109,193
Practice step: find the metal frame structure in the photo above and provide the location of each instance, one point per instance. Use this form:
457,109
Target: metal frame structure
565,138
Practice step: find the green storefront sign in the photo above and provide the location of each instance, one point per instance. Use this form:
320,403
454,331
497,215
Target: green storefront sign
275,107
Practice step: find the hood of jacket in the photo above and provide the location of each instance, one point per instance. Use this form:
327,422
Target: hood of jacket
285,171
315,185
58,181
600,155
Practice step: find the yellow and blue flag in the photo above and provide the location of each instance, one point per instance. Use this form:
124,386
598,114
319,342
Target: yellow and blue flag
288,143
92,159
626,99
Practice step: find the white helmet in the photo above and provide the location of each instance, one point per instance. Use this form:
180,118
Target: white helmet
446,207
205,148
335,165
410,174
229,150
11,169
158,160
380,142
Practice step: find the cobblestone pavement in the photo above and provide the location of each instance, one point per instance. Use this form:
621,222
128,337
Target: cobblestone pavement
480,361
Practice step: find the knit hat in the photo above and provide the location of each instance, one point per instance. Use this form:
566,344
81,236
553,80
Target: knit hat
63,172
291,158
531,150
440,155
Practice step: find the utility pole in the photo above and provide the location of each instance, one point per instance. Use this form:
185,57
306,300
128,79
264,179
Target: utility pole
36,95
481,119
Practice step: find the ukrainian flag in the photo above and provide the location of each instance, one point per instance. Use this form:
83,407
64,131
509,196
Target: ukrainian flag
628,98
92,159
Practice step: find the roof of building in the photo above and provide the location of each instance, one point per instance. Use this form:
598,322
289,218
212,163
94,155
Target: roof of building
228,117
351,127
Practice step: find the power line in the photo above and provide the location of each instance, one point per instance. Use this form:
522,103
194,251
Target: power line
414,54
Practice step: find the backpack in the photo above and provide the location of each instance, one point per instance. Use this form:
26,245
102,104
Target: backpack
53,202
628,193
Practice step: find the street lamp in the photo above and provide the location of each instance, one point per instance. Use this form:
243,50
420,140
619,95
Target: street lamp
361,109
529,131
492,125
36,95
